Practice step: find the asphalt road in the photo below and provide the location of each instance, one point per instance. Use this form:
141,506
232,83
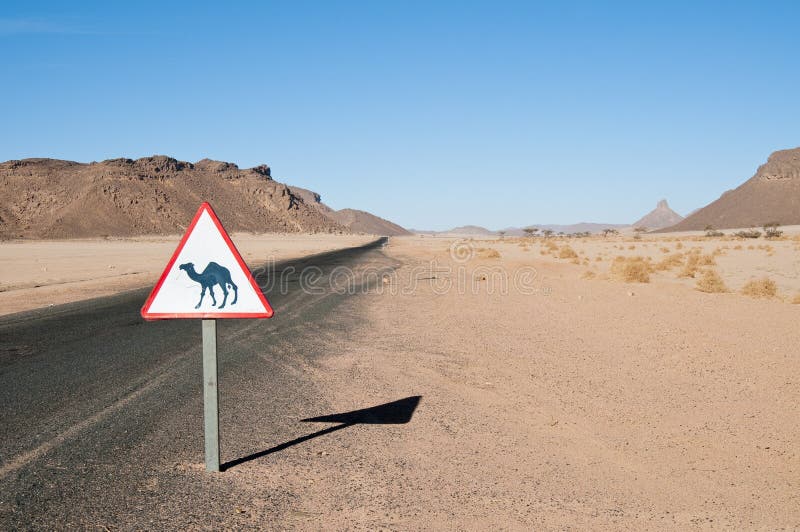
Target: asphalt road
101,415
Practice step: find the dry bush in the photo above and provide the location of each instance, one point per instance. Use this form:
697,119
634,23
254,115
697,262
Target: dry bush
694,260
691,266
576,260
631,269
598,259
796,299
737,246
665,250
631,247
567,252
679,245
751,246
711,282
760,288
488,253
589,274
669,262
706,260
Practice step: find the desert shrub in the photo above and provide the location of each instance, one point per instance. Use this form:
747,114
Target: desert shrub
669,262
566,252
771,230
796,299
711,282
665,250
488,253
706,260
691,266
679,245
550,245
631,269
598,259
631,247
589,274
760,288
752,233
737,246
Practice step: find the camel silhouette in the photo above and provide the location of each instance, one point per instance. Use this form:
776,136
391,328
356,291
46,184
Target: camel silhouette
213,274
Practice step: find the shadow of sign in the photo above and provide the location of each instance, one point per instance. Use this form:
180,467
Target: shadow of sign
395,413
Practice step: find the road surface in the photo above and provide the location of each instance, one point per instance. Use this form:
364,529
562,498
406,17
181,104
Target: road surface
101,416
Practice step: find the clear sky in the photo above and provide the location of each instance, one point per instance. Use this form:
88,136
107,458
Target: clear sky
431,114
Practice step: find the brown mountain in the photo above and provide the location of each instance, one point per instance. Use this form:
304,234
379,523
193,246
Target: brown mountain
661,216
771,195
49,198
355,220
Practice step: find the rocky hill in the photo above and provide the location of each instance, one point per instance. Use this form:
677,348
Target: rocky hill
49,198
354,220
771,195
661,216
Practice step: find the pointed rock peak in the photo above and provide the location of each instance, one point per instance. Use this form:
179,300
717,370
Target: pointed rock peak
662,204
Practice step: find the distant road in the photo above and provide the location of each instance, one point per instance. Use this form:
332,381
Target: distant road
101,412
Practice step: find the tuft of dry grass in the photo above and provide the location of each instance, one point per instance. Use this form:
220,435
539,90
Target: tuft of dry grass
691,266
589,274
679,245
488,253
760,288
695,260
669,262
631,269
566,252
665,250
737,246
796,299
711,282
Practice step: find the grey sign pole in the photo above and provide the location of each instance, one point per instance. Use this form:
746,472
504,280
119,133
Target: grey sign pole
210,394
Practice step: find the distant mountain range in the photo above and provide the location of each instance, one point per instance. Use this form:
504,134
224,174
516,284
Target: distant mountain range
475,230
51,198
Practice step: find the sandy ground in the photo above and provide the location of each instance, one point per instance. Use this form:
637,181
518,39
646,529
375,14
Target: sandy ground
736,260
36,274
559,403
549,401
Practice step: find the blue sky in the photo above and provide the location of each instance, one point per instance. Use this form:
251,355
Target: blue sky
429,114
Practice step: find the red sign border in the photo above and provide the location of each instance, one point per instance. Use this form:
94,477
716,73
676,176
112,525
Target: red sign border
151,316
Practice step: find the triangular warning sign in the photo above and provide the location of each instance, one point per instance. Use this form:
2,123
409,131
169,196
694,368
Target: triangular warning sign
206,278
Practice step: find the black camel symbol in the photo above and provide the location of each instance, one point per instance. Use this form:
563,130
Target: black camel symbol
213,274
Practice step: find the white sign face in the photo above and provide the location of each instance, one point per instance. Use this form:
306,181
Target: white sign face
206,278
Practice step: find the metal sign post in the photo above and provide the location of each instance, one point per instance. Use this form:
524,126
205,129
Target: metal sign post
210,395
207,262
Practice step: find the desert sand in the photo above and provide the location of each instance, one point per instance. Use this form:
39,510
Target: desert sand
41,273
549,400
562,403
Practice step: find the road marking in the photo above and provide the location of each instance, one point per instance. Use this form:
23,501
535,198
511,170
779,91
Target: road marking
27,457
